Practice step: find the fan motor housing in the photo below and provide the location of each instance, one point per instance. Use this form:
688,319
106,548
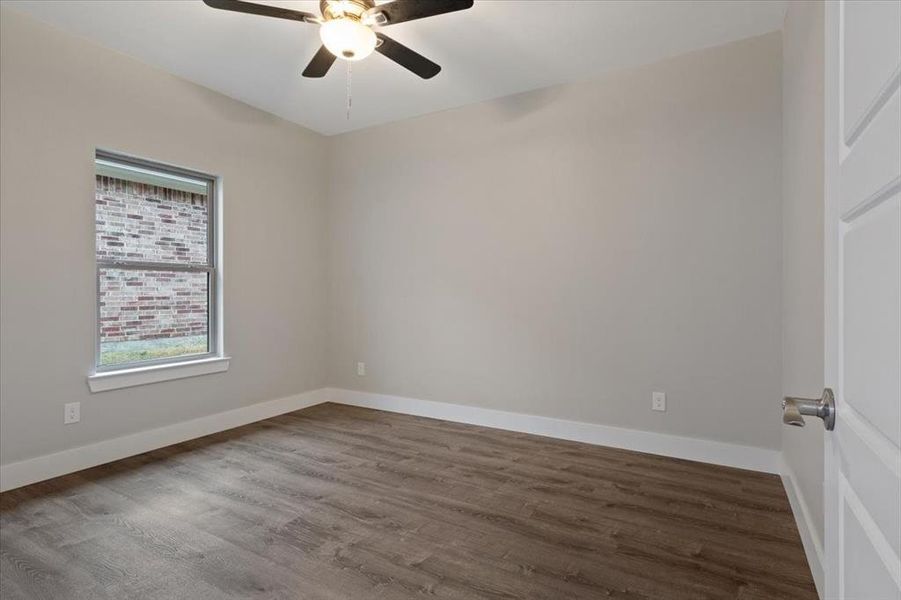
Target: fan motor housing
337,9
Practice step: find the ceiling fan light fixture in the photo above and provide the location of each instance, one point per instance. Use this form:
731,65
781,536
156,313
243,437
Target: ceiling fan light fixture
346,29
347,38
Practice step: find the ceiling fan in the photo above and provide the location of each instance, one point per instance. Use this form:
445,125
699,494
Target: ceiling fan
346,29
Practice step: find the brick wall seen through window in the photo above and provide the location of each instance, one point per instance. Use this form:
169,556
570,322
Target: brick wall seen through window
146,310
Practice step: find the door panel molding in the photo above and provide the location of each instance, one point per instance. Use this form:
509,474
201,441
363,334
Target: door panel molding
862,302
848,498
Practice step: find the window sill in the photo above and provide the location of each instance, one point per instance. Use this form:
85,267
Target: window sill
114,380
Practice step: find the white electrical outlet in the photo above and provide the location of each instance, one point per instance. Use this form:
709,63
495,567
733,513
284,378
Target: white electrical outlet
658,401
72,413
361,369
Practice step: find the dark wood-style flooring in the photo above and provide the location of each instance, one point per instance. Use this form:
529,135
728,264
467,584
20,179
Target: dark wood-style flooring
335,502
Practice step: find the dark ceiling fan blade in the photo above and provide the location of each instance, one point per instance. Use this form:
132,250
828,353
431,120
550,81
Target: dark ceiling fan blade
408,10
321,63
260,9
407,58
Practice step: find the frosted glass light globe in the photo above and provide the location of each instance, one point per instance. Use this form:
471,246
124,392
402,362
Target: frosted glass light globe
347,38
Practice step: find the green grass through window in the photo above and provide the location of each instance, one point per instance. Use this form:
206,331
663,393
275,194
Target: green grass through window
116,353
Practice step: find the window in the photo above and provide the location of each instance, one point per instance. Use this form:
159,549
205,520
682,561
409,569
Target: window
156,265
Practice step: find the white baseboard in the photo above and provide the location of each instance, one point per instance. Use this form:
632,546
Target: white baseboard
813,546
718,453
32,470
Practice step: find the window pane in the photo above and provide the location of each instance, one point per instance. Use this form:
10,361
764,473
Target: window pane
147,315
145,222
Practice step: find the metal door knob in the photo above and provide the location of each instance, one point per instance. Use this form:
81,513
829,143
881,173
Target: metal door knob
794,409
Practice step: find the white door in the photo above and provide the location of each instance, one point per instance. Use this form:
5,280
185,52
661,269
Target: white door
863,302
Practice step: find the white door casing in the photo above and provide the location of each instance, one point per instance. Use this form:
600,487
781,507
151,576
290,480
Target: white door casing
863,298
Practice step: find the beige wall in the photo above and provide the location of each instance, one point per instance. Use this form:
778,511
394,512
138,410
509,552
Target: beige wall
802,242
62,97
568,251
563,252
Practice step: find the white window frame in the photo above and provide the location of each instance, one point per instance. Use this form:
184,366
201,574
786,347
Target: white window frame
106,377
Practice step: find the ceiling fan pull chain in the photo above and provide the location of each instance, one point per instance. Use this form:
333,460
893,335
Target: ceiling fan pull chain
349,97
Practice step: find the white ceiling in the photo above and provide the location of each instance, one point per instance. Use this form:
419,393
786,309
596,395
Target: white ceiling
497,48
